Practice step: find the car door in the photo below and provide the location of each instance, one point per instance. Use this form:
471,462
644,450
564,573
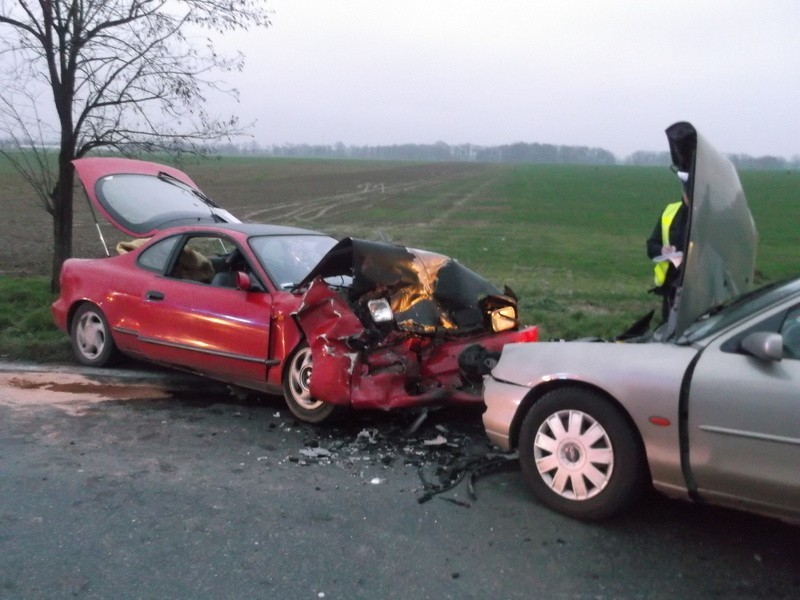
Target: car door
214,329
744,417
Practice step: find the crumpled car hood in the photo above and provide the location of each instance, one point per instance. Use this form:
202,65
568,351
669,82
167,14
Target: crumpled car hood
720,257
428,292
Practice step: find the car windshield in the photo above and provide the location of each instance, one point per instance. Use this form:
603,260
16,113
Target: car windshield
289,258
739,308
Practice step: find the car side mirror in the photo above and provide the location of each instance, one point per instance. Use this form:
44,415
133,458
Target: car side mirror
764,345
242,281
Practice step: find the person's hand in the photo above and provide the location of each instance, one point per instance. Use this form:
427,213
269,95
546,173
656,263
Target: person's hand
667,250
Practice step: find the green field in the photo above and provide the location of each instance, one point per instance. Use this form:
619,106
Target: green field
569,240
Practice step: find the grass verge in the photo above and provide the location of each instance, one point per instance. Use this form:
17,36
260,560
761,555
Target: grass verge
27,331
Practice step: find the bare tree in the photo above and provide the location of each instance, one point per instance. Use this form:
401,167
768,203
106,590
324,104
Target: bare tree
122,74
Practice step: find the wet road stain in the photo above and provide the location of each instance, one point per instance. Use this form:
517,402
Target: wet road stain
69,391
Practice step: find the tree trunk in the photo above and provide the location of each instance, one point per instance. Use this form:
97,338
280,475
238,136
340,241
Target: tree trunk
62,215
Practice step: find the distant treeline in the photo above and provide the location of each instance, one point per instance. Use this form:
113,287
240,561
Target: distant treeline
519,152
511,153
740,161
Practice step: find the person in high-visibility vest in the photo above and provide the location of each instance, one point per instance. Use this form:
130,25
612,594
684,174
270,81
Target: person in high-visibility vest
669,237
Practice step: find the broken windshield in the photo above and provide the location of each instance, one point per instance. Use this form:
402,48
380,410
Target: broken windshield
289,258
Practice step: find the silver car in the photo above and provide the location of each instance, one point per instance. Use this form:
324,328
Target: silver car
707,407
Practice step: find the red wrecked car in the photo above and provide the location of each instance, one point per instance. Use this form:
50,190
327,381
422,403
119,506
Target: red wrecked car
257,305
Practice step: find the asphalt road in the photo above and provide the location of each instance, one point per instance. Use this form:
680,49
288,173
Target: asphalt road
139,484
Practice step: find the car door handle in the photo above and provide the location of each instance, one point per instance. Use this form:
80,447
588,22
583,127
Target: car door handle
153,295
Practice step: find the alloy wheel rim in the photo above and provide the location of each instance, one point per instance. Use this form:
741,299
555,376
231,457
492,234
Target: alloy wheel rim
91,335
573,455
300,379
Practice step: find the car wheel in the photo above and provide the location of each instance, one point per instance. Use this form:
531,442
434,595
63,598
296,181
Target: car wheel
296,380
580,455
91,338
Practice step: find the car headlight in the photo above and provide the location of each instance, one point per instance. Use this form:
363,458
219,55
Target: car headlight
380,310
504,318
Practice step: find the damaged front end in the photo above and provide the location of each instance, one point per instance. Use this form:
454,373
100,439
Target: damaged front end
406,327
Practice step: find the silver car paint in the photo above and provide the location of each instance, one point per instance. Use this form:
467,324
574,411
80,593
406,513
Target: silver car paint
644,378
743,425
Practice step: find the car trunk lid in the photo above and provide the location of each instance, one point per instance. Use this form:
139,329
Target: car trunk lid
140,198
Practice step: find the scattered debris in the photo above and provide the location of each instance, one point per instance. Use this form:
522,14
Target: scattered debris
315,452
456,502
472,469
369,435
443,455
421,418
437,441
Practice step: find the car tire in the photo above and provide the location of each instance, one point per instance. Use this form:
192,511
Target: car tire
92,342
296,379
580,455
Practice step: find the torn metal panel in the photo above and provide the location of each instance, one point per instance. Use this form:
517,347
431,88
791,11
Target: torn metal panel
365,368
329,324
395,336
428,292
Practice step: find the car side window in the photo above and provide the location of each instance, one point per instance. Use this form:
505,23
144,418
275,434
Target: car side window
194,261
212,260
790,330
155,257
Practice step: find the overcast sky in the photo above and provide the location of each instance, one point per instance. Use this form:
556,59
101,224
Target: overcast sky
611,73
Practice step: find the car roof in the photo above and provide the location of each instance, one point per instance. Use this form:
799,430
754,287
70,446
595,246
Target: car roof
254,229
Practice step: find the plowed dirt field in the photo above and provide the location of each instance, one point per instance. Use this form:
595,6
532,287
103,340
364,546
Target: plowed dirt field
388,200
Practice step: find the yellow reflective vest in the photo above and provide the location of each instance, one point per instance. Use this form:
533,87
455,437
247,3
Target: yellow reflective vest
667,217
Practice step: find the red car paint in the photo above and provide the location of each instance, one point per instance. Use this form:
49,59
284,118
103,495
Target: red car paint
247,336
401,371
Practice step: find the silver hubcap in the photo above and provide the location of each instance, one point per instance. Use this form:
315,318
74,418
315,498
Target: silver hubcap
573,454
91,335
299,379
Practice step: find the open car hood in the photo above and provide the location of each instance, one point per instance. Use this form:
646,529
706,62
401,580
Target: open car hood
140,198
428,292
719,262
